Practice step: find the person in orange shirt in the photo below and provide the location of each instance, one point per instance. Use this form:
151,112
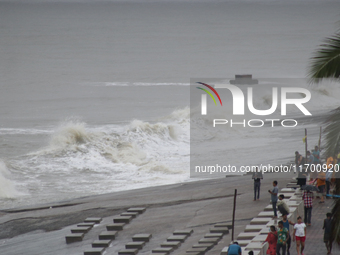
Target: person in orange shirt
321,183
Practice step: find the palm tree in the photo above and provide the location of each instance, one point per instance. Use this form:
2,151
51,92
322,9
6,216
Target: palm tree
326,64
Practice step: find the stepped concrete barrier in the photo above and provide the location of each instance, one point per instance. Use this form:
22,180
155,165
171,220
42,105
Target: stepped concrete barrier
128,252
246,235
80,230
180,238
107,235
94,220
122,219
139,210
166,250
115,226
133,214
260,221
101,243
187,232
141,237
76,237
94,251
174,244
135,245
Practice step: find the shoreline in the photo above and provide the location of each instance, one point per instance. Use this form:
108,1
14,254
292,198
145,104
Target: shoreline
51,217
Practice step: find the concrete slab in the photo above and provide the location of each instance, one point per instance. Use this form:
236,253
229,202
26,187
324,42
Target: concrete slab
80,229
254,246
122,219
268,214
71,238
107,235
254,228
133,214
101,243
246,235
287,190
201,250
222,225
213,235
140,210
92,219
265,231
260,221
163,250
135,245
115,227
174,244
209,240
128,252
199,245
259,238
186,232
86,224
219,230
179,238
141,237
94,251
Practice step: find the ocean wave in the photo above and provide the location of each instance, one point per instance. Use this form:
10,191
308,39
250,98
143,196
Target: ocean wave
7,187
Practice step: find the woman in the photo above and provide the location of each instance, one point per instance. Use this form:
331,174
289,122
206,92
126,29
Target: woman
272,241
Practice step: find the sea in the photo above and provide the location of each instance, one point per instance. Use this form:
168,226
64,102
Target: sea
95,95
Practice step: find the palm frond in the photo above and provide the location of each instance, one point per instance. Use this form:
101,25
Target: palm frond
326,60
336,221
332,134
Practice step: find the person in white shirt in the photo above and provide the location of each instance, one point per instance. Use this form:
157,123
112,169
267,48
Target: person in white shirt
299,235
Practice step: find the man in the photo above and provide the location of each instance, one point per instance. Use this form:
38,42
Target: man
321,183
299,235
299,161
257,176
282,206
286,224
316,155
310,158
308,203
273,193
327,226
234,249
282,236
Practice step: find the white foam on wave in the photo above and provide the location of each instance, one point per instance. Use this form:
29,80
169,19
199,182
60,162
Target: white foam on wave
7,187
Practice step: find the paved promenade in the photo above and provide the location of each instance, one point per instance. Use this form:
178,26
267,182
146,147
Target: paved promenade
314,240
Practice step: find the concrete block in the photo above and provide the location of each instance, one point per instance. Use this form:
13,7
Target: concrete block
86,224
222,225
133,214
219,230
259,238
135,245
209,240
268,214
95,220
140,210
80,229
187,232
122,219
246,235
254,228
94,251
174,244
166,250
180,238
107,235
260,221
254,246
224,251
71,238
200,245
287,190
101,243
115,227
128,252
201,250
213,235
265,231
141,237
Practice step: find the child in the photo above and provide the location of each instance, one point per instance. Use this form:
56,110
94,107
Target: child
327,226
300,235
282,236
